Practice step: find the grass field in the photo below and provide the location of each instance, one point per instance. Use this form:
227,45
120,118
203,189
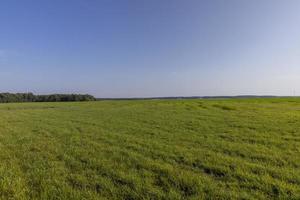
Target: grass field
151,149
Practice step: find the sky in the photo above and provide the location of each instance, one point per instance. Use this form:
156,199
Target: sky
148,48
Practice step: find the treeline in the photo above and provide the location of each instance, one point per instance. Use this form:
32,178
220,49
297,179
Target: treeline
30,97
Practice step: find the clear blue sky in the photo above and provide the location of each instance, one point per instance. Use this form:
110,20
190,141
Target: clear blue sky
142,48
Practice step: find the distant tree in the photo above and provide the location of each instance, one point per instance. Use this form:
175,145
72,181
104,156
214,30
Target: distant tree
30,97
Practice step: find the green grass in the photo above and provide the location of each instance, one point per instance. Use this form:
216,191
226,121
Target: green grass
151,149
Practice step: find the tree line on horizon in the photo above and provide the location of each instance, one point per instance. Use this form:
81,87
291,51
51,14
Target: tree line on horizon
30,97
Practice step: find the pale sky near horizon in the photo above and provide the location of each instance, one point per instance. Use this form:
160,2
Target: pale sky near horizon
144,48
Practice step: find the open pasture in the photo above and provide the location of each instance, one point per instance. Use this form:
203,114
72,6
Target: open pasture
151,149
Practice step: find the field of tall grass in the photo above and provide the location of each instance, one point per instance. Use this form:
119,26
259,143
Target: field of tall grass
151,149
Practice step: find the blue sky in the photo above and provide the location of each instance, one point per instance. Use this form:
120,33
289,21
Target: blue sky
143,48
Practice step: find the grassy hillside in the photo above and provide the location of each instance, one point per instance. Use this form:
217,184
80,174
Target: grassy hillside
151,149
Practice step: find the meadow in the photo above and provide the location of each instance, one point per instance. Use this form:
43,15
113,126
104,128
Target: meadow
151,149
